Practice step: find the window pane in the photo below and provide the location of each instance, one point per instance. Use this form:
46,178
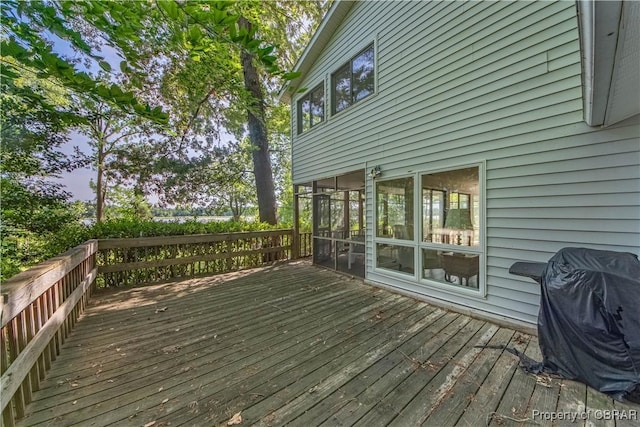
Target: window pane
433,215
394,207
317,106
396,258
305,114
451,267
341,89
363,75
450,207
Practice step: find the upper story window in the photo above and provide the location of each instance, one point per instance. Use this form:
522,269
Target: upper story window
353,81
311,109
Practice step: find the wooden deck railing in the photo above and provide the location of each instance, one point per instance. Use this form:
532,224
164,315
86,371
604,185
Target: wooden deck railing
157,259
305,241
39,308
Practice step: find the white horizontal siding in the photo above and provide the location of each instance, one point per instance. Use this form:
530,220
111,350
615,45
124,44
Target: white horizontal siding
493,82
631,212
457,89
581,191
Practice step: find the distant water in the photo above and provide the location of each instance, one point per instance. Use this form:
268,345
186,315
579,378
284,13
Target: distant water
181,219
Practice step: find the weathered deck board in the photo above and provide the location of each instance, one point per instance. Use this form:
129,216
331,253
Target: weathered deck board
486,400
292,344
596,402
359,392
455,398
514,403
572,399
439,334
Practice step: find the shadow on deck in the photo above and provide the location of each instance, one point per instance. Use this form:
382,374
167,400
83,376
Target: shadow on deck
296,344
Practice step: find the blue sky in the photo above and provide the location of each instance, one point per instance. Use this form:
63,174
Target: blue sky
78,181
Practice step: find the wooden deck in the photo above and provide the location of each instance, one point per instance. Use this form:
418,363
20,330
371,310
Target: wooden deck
295,344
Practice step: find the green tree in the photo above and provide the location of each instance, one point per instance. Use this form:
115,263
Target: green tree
206,62
112,136
224,181
233,170
129,204
208,87
34,206
28,31
282,22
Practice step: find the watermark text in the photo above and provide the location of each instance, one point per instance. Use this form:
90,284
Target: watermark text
589,414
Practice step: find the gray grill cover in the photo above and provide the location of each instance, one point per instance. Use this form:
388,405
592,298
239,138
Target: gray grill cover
589,320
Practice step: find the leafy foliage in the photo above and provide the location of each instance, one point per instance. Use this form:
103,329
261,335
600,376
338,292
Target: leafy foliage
129,228
205,87
33,206
34,229
114,138
24,22
186,27
128,204
174,111
23,249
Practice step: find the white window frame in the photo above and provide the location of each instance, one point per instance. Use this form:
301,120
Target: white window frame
391,241
419,245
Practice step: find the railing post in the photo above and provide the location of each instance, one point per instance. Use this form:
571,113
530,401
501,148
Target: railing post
14,351
228,249
295,238
8,414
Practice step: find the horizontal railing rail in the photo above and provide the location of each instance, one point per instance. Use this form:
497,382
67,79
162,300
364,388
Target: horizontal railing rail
39,308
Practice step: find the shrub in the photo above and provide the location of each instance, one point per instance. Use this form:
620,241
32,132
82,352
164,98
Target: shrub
22,249
129,228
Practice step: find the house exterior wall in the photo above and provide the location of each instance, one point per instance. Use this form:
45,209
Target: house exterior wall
490,83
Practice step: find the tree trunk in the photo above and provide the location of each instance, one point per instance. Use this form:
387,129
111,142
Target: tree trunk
100,190
234,205
258,137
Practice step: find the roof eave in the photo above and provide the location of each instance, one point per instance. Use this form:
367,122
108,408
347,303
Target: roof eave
598,39
610,51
